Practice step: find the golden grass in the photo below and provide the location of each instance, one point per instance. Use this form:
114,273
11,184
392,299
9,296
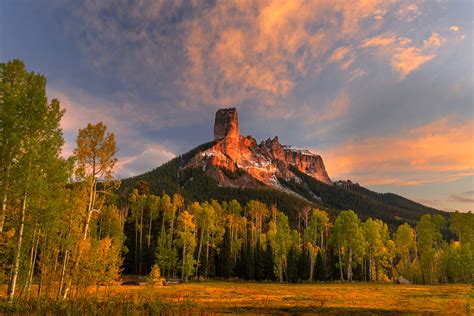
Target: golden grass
273,297
353,298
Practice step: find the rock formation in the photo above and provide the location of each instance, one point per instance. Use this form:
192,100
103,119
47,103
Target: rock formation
248,161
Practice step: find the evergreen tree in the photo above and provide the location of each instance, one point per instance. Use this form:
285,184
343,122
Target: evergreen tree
259,259
269,263
319,268
250,263
304,265
292,265
226,259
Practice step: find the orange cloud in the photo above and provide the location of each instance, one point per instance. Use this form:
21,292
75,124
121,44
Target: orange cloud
454,28
404,57
238,49
435,40
441,151
407,60
379,41
345,55
409,12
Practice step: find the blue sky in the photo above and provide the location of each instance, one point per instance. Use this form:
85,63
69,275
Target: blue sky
383,90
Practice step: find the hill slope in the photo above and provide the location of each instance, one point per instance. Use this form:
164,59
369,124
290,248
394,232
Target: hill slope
196,185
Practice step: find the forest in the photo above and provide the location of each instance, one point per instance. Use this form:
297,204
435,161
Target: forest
66,225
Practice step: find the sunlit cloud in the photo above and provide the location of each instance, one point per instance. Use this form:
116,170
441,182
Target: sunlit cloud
454,28
409,12
460,198
344,55
152,157
435,40
404,57
441,151
407,60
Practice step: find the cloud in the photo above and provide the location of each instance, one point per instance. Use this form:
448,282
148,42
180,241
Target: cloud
227,52
404,57
440,151
454,28
152,157
358,73
460,198
345,55
407,60
127,120
409,12
435,40
379,41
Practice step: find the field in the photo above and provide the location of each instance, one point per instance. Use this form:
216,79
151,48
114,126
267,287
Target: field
269,298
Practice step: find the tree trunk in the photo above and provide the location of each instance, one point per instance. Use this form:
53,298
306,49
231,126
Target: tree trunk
31,269
3,211
199,252
340,264
63,272
377,271
349,266
5,186
370,265
136,245
311,268
149,231
364,266
16,260
141,244
184,276
280,271
207,257
89,211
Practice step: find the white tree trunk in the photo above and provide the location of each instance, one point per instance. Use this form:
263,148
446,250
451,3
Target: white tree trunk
16,260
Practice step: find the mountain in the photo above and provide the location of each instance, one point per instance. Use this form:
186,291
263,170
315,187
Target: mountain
236,167
256,164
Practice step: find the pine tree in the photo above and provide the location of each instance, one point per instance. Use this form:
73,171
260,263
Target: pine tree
319,268
303,265
226,256
269,263
259,263
292,266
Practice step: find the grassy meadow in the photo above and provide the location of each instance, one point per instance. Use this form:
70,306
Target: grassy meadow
263,298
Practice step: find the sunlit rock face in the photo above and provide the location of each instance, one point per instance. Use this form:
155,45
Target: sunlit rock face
238,161
226,130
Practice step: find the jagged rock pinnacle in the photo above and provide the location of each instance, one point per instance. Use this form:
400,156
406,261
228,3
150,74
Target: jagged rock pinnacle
266,162
226,124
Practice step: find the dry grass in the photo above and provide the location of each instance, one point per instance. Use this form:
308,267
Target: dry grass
270,297
333,298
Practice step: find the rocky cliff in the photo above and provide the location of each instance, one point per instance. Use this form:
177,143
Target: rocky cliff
238,161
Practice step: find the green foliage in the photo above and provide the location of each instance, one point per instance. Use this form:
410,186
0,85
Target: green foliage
154,277
393,210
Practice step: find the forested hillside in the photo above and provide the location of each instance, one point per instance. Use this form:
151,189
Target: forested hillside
195,185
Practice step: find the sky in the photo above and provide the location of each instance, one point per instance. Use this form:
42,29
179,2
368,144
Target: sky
382,90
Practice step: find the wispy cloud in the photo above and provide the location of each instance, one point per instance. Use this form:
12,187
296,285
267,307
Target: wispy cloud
441,151
404,57
152,157
460,198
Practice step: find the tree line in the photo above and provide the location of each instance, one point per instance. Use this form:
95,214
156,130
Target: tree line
64,227
257,242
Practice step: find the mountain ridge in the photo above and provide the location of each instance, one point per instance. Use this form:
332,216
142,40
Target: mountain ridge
236,167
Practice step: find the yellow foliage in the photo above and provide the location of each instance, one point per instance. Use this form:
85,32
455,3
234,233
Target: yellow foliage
154,277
